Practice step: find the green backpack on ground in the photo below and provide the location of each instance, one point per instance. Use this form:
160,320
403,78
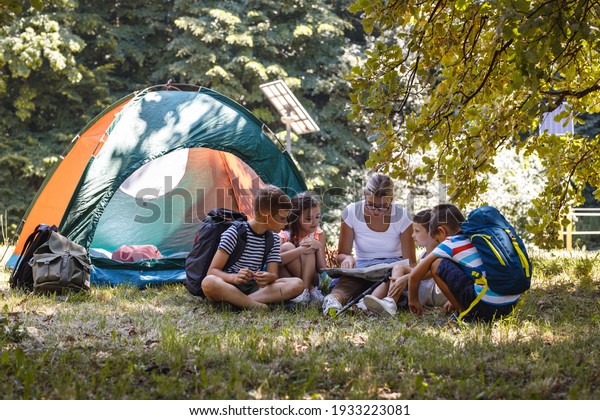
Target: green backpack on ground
60,265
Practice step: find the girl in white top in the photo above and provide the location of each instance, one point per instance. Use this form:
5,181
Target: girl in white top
379,230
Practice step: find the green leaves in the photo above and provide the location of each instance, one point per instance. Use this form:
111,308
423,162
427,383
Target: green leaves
310,45
12,331
63,65
54,78
14,6
479,73
8,9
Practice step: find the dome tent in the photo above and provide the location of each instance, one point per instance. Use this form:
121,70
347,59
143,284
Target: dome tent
147,170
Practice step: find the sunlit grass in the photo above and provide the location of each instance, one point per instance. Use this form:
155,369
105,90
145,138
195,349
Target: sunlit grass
123,342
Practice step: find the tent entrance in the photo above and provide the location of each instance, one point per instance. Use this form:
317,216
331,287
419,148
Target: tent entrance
163,202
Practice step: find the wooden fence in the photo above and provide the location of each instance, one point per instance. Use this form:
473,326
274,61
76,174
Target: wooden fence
568,233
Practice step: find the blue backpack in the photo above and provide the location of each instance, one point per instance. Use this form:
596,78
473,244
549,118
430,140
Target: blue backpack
505,261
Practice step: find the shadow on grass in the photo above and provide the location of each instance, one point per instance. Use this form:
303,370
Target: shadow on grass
163,343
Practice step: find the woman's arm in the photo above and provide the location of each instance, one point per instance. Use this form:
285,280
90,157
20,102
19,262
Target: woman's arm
408,246
344,257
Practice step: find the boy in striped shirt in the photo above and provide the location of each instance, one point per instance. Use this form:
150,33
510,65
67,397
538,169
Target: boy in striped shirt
247,284
454,264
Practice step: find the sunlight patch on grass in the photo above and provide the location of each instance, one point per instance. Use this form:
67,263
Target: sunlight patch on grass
164,343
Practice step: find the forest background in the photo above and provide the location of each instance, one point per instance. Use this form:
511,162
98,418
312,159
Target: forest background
60,65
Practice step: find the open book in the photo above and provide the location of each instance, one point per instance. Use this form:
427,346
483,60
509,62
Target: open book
372,273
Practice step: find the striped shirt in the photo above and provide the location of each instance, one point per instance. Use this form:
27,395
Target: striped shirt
459,249
252,257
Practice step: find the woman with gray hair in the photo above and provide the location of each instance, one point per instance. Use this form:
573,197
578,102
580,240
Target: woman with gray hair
378,230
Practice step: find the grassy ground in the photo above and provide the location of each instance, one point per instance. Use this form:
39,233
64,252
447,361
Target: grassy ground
162,343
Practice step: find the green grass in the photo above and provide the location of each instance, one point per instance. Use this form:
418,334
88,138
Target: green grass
162,343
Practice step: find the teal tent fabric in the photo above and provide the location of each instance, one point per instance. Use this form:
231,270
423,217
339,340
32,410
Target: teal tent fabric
158,122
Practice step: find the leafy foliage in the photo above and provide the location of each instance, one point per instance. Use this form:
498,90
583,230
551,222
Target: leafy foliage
62,65
8,8
40,84
58,69
485,72
125,41
233,47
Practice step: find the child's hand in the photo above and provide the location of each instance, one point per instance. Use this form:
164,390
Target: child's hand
349,262
312,243
397,286
243,276
448,307
415,307
264,278
306,248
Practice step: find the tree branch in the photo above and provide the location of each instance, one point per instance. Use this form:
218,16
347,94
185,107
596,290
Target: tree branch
572,93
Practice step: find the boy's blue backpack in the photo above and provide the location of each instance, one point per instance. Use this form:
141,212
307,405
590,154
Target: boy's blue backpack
207,241
505,260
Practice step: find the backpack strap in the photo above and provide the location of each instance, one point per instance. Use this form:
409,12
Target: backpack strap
269,242
28,242
522,257
242,231
482,281
240,245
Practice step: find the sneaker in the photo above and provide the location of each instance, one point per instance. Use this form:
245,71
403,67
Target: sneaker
316,296
304,297
385,306
331,303
361,305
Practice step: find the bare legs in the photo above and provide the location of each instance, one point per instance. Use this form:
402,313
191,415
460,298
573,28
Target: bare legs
217,289
396,285
304,267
